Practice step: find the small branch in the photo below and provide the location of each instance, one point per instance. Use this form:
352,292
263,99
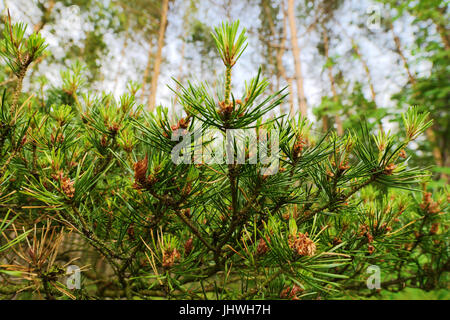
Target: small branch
327,205
265,283
194,230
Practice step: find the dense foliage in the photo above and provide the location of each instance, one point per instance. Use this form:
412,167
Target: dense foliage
87,169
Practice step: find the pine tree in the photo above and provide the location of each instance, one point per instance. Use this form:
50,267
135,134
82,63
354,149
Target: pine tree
304,225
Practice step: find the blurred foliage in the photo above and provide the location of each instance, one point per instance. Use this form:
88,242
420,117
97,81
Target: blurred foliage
85,168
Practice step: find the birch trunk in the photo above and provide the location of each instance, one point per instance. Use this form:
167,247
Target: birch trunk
337,119
280,54
296,54
158,57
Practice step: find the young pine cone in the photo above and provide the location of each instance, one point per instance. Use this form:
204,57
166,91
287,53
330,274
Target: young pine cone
188,247
140,170
302,245
262,247
170,257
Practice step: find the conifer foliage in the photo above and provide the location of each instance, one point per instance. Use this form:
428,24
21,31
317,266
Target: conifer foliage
99,171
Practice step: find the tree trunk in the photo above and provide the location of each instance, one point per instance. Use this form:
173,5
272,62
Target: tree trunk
280,54
280,48
158,57
45,17
180,70
337,119
429,132
443,32
369,79
442,29
270,61
296,53
412,80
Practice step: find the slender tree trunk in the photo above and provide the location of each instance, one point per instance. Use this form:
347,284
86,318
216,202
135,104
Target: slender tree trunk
180,68
369,79
429,132
280,70
339,127
398,47
325,123
297,62
436,151
443,32
45,17
366,69
158,57
273,34
280,54
442,29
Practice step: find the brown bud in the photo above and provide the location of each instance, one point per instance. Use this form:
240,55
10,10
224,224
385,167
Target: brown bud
67,186
114,128
130,232
344,166
170,257
302,245
187,188
103,141
188,247
291,293
262,247
389,169
285,292
434,228
183,123
295,290
140,170
186,212
298,147
336,241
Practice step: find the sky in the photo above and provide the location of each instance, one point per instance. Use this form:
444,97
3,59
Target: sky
385,67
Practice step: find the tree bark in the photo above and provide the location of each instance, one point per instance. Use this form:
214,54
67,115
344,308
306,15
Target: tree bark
369,79
429,132
180,69
441,28
45,17
443,32
398,47
337,119
158,57
297,63
270,61
280,49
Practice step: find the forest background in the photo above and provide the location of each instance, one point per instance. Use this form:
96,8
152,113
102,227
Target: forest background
343,60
